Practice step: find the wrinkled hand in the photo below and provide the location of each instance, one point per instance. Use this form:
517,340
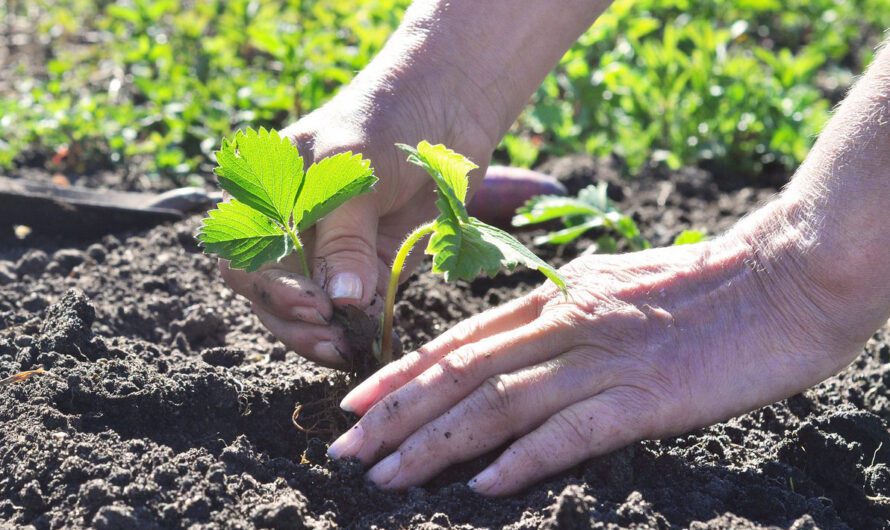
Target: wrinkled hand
651,344
352,249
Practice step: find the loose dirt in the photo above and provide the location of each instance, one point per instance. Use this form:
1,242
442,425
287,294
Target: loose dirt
166,405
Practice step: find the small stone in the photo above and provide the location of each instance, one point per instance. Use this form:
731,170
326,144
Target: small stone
34,302
316,451
224,357
95,493
878,479
31,496
197,508
33,263
7,274
278,353
288,512
96,252
115,517
573,509
68,258
23,341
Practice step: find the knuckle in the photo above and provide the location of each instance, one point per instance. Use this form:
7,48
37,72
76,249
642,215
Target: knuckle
466,329
457,366
573,430
494,396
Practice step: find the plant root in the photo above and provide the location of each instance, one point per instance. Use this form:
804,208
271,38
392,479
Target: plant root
21,376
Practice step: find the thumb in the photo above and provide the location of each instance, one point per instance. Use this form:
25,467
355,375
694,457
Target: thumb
346,252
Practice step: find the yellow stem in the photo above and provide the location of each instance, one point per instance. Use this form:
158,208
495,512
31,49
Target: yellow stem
397,265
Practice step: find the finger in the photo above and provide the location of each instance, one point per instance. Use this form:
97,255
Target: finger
286,295
346,250
592,427
503,407
443,385
509,316
325,345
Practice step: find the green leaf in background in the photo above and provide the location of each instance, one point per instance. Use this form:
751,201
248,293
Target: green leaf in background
522,151
592,208
688,237
262,170
569,234
548,207
244,236
329,183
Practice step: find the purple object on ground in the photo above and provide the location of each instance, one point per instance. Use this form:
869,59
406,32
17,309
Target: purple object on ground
505,189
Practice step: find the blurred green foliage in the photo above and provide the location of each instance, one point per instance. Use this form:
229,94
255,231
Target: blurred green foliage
735,85
162,80
153,84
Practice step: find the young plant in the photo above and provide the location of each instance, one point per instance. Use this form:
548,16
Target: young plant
591,209
461,246
274,199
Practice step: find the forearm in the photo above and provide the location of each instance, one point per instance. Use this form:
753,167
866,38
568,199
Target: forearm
831,221
488,56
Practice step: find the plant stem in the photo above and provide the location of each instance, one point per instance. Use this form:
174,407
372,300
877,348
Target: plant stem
298,246
397,265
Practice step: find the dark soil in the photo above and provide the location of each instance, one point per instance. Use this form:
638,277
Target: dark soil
166,405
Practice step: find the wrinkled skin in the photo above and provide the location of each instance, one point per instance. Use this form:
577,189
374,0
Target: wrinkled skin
650,345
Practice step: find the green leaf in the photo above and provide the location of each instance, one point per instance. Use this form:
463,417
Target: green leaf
548,207
448,169
461,250
688,237
597,196
262,170
453,167
567,235
329,183
514,253
244,236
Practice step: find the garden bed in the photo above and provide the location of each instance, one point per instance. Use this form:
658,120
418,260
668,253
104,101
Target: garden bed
166,404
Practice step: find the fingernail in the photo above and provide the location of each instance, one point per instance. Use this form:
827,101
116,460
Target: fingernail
347,444
310,315
355,397
386,470
346,285
326,351
483,481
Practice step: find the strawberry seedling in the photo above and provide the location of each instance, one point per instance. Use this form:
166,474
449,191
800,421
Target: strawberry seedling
274,200
461,246
591,209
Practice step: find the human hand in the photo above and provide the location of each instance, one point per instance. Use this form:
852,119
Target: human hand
352,248
651,345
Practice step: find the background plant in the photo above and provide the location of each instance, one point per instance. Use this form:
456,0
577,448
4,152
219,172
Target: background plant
591,209
147,86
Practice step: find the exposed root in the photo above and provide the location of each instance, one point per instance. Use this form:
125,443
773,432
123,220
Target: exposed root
323,417
21,376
